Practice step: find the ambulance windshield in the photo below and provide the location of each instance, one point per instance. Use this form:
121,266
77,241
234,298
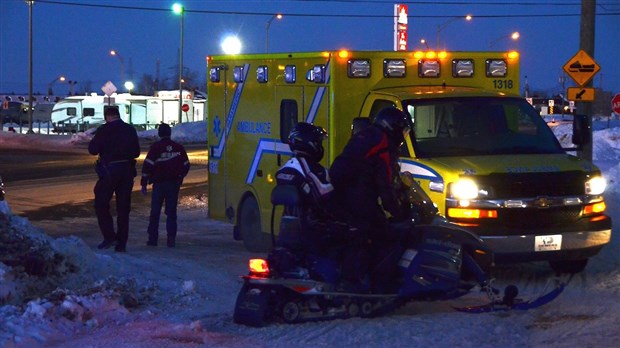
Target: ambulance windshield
477,126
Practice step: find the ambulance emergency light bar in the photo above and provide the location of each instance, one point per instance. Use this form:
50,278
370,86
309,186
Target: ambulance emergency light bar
496,68
394,68
290,74
358,68
429,66
214,74
463,68
261,74
238,73
317,74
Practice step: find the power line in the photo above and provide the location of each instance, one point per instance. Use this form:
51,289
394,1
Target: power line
63,3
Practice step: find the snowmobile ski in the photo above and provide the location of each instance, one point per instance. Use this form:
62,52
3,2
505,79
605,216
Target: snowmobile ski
511,302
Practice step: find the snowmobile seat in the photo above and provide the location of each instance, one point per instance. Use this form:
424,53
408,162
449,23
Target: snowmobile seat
290,224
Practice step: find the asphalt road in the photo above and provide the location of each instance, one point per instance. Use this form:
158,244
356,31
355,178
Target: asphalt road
43,185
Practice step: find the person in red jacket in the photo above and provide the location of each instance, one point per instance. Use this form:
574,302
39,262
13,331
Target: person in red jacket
165,166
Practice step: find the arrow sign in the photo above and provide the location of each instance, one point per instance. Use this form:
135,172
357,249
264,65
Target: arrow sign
580,94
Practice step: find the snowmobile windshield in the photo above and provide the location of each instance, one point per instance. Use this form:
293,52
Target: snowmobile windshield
476,126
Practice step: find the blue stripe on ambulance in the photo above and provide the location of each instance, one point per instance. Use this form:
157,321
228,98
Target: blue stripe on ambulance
420,171
217,152
318,98
265,145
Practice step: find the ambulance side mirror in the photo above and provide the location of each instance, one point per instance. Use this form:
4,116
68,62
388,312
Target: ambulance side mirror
582,130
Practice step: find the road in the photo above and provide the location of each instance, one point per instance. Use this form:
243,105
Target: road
44,185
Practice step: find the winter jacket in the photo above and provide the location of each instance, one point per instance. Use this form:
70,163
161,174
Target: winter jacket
166,161
312,182
114,142
365,172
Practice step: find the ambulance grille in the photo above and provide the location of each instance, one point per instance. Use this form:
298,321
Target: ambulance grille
538,217
529,185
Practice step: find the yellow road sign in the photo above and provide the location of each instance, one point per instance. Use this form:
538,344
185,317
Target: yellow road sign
580,94
581,68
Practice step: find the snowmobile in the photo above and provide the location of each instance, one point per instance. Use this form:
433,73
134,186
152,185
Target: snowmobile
440,262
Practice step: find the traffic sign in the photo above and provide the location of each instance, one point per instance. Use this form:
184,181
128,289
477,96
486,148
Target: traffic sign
108,88
615,104
581,68
580,94
185,108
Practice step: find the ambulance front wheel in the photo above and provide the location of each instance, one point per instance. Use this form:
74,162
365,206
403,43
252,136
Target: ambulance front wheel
250,227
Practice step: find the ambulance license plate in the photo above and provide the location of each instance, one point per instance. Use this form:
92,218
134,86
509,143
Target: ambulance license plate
548,243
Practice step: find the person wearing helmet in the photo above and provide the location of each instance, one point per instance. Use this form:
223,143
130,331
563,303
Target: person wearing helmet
305,172
366,179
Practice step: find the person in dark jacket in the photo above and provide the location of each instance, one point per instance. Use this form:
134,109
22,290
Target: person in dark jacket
366,179
305,172
165,166
117,145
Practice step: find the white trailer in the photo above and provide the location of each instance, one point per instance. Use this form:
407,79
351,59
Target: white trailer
79,113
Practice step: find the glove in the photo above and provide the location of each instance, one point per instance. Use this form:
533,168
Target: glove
143,190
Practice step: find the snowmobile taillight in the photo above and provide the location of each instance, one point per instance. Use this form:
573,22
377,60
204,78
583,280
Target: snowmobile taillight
259,267
594,208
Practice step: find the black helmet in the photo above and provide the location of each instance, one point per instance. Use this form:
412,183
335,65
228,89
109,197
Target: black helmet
306,140
394,122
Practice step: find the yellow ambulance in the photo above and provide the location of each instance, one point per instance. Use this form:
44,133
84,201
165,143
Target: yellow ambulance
482,153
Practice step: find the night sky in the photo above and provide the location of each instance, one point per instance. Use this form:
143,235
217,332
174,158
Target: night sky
75,41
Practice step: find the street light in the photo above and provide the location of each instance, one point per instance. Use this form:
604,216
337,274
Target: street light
231,45
49,86
278,16
129,86
445,24
423,41
514,36
115,53
180,10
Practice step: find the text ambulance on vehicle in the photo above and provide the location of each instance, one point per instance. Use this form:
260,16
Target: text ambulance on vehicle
482,153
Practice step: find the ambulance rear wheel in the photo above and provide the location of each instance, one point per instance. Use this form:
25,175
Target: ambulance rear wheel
250,227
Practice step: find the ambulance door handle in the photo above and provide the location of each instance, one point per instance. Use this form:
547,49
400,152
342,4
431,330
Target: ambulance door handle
279,160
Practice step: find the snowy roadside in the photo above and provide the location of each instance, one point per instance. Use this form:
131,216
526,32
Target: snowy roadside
184,297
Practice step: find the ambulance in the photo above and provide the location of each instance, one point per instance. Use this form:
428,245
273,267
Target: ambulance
481,151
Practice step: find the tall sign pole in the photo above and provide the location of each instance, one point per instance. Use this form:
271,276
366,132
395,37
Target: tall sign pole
30,4
586,43
401,14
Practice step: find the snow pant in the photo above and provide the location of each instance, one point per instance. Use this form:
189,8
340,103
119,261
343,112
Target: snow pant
164,192
117,180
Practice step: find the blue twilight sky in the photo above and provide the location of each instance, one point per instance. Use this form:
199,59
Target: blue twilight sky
74,41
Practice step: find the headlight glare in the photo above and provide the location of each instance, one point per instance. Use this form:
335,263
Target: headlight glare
464,189
596,186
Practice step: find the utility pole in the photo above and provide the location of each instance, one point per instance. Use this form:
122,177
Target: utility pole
586,43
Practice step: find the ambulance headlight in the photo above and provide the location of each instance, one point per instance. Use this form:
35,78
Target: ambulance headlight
214,75
261,74
464,189
358,68
290,73
462,68
428,68
496,68
238,74
317,74
596,186
394,68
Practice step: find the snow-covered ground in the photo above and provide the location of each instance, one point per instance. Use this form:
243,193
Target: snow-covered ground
184,297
